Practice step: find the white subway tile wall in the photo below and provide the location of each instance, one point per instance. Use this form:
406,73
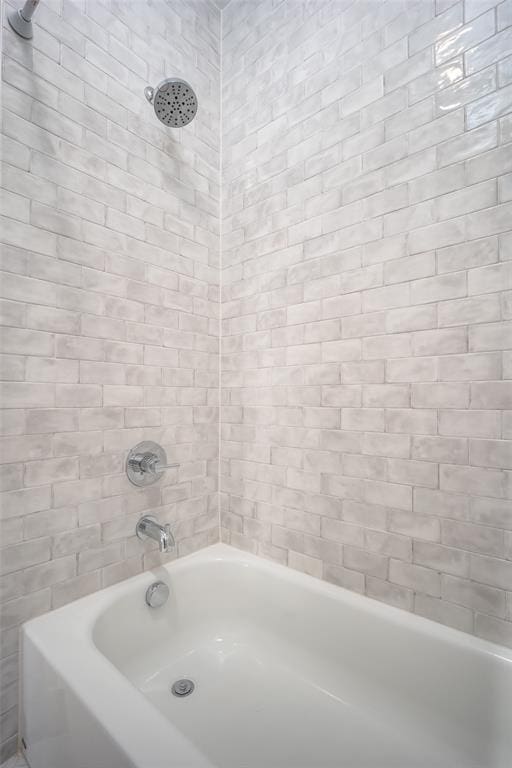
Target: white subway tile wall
364,252
109,300
367,298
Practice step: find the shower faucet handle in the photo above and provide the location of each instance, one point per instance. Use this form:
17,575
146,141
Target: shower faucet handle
154,464
146,463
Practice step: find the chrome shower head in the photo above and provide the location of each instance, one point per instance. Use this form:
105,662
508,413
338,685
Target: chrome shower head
174,102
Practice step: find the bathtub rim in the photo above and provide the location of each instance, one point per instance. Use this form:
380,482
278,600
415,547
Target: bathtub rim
97,602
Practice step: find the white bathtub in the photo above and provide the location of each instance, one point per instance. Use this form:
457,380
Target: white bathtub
290,672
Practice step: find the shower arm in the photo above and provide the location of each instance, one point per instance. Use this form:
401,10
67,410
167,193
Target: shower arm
28,9
21,20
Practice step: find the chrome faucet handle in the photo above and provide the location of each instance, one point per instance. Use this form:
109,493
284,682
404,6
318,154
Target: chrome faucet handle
155,465
146,463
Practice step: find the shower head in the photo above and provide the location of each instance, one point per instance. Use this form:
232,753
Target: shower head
174,102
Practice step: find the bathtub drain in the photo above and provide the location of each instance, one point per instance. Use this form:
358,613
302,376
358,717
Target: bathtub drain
183,687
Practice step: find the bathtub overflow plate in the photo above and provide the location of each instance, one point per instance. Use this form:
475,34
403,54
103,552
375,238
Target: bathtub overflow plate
183,687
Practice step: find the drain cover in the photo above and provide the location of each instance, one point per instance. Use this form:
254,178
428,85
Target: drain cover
183,687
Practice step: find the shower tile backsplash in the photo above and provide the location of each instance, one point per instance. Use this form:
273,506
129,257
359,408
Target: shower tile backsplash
367,303
109,300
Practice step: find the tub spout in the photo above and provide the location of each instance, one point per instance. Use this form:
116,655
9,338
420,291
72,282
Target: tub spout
149,528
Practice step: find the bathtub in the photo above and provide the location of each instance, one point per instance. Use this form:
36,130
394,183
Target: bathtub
289,672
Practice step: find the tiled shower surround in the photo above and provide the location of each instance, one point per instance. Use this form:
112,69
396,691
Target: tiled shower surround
366,248
367,303
109,298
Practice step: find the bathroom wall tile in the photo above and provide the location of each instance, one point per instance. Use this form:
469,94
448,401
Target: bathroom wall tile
472,254
363,299
493,629
491,453
497,395
23,555
301,562
15,612
469,367
489,107
421,151
444,612
440,395
415,577
473,480
465,37
491,336
478,597
487,570
344,577
386,592
74,588
418,526
470,423
468,145
472,537
488,52
473,8
441,558
91,275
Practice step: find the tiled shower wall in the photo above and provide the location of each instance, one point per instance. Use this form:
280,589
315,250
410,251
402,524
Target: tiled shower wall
109,300
367,310
366,298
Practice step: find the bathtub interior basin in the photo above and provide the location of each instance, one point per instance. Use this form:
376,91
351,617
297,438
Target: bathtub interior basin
289,672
